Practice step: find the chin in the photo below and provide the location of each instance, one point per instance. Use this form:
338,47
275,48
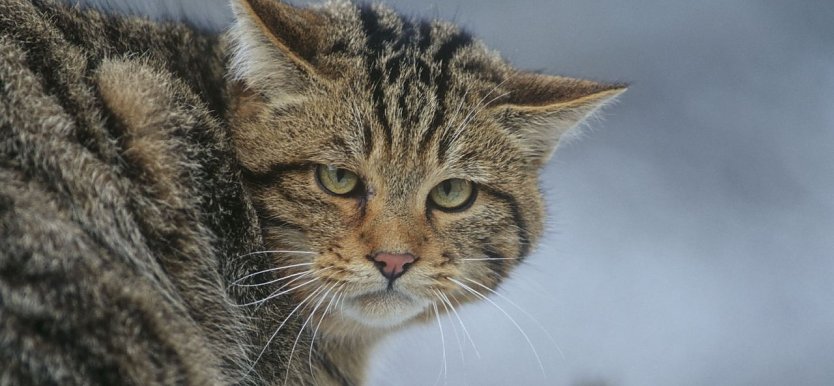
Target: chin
384,308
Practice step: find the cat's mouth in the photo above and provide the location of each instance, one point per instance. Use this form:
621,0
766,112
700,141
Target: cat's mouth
384,308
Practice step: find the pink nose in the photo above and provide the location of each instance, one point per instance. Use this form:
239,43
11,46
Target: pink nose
393,265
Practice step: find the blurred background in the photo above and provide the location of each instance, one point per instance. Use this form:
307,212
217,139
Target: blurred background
691,231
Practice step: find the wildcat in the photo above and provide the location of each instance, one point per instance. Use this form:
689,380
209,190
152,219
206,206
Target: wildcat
260,206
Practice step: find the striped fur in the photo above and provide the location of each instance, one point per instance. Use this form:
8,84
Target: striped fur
405,104
144,166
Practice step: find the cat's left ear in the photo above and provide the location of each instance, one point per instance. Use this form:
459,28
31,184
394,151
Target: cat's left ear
538,109
275,46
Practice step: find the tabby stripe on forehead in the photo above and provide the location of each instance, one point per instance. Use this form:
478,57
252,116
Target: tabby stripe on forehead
393,65
377,36
522,232
368,138
444,55
269,177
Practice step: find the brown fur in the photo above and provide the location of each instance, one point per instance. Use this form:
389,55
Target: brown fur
148,169
405,105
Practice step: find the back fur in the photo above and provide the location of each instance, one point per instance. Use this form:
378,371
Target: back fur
119,203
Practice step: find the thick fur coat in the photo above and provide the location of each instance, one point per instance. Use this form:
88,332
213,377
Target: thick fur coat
160,188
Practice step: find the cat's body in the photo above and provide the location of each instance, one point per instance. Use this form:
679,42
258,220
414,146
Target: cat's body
145,166
120,201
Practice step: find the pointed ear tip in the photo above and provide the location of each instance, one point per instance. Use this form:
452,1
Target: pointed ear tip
239,2
616,87
240,7
611,90
255,5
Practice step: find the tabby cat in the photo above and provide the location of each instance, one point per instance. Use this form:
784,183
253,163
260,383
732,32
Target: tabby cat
260,206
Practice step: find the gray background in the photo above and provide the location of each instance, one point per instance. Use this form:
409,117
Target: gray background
691,231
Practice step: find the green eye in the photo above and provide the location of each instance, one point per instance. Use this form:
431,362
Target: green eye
336,180
453,194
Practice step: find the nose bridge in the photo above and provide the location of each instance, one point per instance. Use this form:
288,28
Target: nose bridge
392,216
395,227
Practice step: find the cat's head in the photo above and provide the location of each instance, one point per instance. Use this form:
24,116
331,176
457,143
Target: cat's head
402,153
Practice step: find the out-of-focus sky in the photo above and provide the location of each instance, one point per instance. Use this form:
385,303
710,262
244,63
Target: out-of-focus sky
691,232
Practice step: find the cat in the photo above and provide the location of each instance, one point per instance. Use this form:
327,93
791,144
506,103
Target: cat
259,206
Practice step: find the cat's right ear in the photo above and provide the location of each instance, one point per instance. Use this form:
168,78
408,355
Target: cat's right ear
538,109
275,46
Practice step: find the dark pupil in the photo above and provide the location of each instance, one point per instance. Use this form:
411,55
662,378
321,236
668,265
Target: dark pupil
340,174
447,187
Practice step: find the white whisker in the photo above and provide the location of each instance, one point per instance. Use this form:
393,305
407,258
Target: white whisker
270,270
316,330
454,328
282,278
458,131
517,326
478,108
301,331
475,110
274,334
276,251
277,294
492,258
463,326
477,105
457,111
280,291
531,317
442,340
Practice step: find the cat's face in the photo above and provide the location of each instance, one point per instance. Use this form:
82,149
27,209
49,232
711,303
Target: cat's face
401,158
331,182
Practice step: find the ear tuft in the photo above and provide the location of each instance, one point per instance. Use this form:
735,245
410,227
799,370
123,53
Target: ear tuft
539,109
275,45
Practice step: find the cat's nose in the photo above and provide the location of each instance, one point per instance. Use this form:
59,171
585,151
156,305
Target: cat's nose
393,265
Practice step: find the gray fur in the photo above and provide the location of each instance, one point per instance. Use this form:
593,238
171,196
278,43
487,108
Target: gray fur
138,185
116,234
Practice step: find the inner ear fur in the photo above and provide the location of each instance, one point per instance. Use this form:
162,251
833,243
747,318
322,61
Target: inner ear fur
276,45
296,32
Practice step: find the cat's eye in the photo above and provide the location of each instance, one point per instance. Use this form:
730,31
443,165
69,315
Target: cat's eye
453,194
338,181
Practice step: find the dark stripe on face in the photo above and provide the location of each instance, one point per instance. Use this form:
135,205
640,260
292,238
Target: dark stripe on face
368,139
272,216
444,145
416,37
377,37
271,177
406,85
515,209
394,65
443,55
271,184
496,261
268,220
339,144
